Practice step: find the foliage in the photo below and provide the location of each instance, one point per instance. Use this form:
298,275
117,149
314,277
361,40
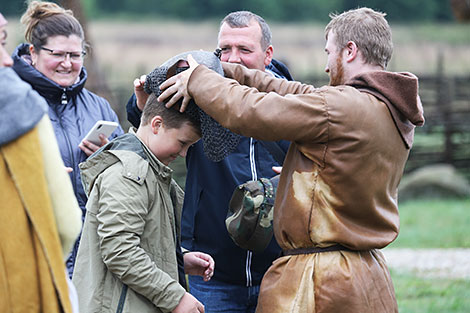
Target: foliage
273,10
12,7
410,11
280,10
430,295
434,224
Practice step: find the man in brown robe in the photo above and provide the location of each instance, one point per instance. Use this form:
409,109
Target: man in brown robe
336,203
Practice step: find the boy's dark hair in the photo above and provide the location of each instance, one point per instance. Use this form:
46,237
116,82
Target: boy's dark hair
171,117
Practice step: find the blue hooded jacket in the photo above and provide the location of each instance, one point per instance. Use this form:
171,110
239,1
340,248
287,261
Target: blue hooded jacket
73,111
208,190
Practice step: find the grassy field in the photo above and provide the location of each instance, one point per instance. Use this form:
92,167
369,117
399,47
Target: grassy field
432,224
430,295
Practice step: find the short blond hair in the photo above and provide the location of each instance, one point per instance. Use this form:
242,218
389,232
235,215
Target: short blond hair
368,29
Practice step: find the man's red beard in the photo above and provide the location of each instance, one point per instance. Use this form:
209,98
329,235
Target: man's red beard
337,76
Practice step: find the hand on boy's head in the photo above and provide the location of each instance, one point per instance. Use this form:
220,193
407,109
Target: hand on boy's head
176,87
140,94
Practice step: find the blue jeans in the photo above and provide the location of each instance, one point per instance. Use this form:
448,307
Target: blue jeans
218,296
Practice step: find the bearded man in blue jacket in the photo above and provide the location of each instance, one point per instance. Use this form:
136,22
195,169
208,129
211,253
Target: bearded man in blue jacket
244,38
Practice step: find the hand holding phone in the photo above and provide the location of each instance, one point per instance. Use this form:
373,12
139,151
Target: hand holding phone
101,127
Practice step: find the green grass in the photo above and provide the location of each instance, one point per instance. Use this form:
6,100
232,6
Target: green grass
446,33
430,295
434,224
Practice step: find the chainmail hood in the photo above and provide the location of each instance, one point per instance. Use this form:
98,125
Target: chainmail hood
218,142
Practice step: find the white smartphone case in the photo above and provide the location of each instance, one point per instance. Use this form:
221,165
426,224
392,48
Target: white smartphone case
101,127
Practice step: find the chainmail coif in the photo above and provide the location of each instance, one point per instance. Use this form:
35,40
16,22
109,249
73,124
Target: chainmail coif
218,142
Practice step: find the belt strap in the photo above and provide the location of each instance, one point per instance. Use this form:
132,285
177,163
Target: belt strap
311,250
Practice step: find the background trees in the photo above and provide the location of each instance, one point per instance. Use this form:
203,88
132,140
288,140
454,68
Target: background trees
273,10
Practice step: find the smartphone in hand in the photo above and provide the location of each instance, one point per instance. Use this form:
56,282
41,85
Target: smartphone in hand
101,127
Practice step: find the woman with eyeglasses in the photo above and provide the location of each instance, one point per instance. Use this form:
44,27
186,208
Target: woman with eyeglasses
52,63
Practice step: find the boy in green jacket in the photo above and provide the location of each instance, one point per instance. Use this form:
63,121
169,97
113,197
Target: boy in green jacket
130,258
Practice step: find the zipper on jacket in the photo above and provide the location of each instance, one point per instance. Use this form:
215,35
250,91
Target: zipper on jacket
67,140
122,299
249,281
254,173
254,176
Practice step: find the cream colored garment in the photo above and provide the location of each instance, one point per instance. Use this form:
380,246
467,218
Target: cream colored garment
67,213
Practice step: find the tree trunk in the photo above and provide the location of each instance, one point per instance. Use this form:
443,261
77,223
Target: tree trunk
96,81
461,9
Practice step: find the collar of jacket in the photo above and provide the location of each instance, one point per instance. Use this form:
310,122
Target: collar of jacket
161,168
43,85
279,69
123,149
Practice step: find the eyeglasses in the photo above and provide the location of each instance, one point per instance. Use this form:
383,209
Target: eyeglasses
75,56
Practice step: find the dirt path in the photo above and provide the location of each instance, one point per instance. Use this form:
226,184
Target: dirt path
450,263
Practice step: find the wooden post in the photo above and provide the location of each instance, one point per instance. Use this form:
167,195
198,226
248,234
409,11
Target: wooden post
444,104
461,10
96,81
